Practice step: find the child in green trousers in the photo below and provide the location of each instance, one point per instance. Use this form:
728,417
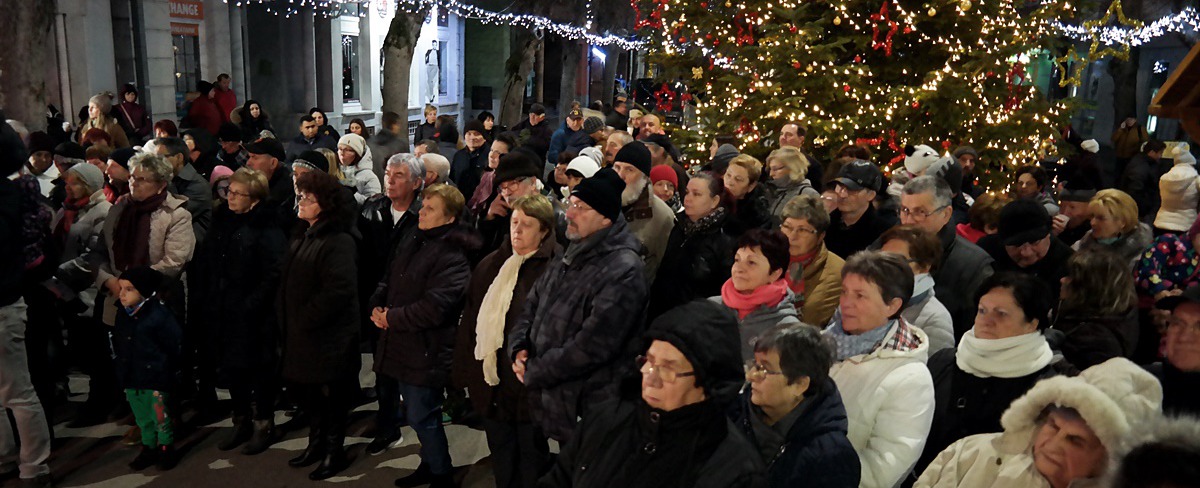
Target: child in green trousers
146,340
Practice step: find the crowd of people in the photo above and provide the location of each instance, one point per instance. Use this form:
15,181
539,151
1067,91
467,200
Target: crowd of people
788,321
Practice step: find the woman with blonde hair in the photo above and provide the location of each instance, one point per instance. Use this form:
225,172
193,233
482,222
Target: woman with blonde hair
1115,226
99,110
335,169
788,169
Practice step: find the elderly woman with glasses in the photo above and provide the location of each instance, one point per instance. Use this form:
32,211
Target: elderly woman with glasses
814,273
237,271
673,431
793,412
880,367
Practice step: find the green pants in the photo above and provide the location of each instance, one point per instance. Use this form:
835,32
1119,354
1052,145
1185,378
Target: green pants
150,411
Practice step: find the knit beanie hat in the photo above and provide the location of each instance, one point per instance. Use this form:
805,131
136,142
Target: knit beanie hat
664,173
585,166
1023,221
40,141
596,154
355,142
229,132
218,172
12,149
1182,154
725,154
70,150
1090,145
203,87
637,154
961,150
602,192
122,156
519,163
90,174
592,124
145,279
706,333
474,126
1113,397
313,160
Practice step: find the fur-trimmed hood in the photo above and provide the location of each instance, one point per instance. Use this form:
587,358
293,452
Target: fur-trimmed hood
1155,444
1113,397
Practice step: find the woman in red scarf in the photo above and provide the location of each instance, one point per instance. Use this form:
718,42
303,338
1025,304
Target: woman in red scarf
757,290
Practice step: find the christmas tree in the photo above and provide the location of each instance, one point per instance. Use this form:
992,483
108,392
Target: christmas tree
879,73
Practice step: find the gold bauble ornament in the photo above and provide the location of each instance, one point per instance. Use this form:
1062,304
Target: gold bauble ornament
965,5
809,69
837,21
932,12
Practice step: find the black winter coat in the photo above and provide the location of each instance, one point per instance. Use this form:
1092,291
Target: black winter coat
1180,394
147,347
1086,341
693,267
845,240
1051,269
236,273
965,404
753,211
318,305
381,236
508,401
281,196
582,327
816,451
964,266
467,168
423,291
628,444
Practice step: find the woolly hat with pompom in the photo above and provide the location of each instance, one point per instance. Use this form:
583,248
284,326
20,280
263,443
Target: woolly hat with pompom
1182,154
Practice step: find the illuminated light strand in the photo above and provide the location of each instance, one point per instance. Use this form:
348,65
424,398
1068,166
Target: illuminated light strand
1186,20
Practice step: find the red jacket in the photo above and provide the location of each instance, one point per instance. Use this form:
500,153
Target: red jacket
226,102
205,114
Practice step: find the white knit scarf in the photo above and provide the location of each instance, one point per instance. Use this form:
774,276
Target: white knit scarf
1011,357
489,327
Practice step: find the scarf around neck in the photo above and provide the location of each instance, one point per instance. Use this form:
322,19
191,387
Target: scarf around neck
71,210
795,272
850,345
713,219
131,236
767,295
1011,357
922,287
489,327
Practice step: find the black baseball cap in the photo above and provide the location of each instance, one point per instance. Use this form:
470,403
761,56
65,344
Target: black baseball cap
575,114
267,145
1022,222
859,174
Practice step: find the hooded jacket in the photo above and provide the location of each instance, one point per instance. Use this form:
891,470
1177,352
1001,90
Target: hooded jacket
1151,456
423,291
889,400
815,451
763,318
1179,189
1113,398
581,326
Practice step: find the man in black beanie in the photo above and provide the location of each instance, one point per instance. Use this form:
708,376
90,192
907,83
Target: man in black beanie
578,334
1025,244
673,430
649,218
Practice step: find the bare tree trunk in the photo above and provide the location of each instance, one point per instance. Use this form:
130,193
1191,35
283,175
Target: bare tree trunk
23,61
570,70
398,48
519,63
612,56
539,71
1125,92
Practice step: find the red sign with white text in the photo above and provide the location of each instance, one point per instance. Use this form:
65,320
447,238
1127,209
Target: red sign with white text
187,9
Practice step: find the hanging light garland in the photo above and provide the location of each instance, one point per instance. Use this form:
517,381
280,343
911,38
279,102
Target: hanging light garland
1184,21
332,8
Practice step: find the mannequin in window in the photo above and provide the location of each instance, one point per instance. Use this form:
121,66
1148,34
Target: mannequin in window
432,72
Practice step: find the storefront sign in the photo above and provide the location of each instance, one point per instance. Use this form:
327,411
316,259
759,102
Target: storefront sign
187,9
191,30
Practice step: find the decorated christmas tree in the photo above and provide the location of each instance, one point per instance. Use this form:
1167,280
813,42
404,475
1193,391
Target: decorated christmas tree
879,73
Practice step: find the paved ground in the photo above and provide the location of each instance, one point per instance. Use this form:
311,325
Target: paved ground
95,457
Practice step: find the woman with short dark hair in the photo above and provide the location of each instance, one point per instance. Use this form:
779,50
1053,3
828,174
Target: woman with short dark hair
318,312
995,362
880,367
756,289
237,271
794,413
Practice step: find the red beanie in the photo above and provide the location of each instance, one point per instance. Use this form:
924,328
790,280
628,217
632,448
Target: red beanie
664,172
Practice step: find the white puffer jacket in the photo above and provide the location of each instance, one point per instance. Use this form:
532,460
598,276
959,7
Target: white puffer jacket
1180,190
1116,398
889,401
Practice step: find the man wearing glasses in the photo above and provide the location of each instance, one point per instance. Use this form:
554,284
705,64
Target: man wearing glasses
578,335
926,203
856,223
1180,372
1024,244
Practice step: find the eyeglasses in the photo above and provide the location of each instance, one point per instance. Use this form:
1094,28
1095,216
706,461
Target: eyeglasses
920,214
664,373
579,207
511,185
238,193
1182,326
757,371
789,229
135,179
307,200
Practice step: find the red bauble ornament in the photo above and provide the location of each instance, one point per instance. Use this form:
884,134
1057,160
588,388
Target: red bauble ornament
793,29
857,58
907,30
846,88
796,64
916,104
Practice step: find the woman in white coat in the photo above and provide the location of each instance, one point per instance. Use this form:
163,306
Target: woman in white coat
1180,191
356,164
880,368
1062,433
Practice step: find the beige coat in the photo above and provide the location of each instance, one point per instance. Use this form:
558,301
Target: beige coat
171,239
651,221
109,125
822,288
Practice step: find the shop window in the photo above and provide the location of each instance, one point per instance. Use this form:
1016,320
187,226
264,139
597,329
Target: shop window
350,68
187,68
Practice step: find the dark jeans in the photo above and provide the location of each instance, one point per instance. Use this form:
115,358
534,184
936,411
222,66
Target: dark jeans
520,453
423,410
257,387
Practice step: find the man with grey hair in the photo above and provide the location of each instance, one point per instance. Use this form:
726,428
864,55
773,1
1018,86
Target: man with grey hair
614,143
649,218
387,218
925,202
188,183
437,169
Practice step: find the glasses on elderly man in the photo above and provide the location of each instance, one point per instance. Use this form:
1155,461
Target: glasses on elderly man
920,214
664,372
